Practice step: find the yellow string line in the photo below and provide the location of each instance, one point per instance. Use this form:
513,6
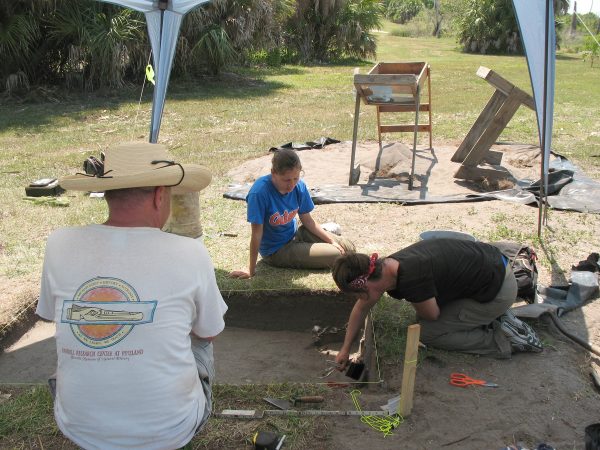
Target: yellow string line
378,423
250,291
375,348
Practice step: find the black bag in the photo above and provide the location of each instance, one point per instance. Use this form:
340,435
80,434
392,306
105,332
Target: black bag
522,260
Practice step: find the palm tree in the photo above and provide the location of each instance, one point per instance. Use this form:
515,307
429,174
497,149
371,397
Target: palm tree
225,31
96,42
322,30
19,33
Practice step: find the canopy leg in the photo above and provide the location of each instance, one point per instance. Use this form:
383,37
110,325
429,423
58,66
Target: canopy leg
353,179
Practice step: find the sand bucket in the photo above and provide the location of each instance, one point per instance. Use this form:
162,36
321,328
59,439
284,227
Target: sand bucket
438,234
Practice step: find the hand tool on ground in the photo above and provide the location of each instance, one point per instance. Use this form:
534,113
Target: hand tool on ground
462,380
334,366
267,440
284,404
355,370
255,414
392,405
327,372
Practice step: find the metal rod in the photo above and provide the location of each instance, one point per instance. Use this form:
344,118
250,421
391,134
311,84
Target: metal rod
542,201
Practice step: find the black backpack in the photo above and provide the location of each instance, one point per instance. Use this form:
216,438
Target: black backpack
522,260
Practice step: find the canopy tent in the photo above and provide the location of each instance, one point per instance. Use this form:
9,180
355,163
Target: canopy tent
536,24
164,20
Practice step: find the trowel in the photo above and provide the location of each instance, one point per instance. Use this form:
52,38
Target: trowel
285,404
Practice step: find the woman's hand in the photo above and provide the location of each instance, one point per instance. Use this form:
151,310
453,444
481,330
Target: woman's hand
342,359
339,247
242,274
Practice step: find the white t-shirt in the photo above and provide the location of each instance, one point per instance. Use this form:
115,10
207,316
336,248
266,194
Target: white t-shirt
125,301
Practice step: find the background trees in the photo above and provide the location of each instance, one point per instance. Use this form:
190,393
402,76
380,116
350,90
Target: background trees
322,30
77,44
489,26
89,44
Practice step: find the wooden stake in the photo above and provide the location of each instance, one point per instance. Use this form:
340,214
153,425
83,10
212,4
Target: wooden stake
410,370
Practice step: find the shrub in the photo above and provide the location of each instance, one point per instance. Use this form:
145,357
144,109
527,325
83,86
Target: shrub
489,26
401,11
591,48
321,31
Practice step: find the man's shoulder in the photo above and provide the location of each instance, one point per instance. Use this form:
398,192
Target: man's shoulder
176,239
64,232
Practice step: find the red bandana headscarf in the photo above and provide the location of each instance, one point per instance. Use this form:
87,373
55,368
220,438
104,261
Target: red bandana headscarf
360,283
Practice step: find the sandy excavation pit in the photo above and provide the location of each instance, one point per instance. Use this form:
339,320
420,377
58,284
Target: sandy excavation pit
271,338
268,339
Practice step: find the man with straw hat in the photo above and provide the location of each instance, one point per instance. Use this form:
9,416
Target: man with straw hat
135,308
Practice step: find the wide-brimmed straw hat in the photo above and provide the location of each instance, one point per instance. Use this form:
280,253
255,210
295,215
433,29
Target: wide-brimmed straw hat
138,164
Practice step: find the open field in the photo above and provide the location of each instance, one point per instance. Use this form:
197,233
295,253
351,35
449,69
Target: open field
221,123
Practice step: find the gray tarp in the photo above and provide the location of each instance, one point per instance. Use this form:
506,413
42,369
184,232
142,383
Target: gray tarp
569,189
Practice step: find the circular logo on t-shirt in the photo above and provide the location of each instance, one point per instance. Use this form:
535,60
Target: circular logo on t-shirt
97,292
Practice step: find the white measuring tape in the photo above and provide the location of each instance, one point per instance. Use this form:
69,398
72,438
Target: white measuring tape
254,414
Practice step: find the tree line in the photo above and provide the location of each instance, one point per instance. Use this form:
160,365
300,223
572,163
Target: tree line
87,44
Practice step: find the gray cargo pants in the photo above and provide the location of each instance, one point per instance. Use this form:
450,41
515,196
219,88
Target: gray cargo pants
471,327
205,362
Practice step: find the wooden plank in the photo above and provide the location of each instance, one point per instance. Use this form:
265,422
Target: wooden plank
352,179
504,85
422,77
379,134
413,67
483,121
385,80
403,128
403,92
494,158
410,370
363,94
495,128
481,173
428,105
391,108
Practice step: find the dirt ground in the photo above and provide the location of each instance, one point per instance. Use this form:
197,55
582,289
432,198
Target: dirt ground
542,398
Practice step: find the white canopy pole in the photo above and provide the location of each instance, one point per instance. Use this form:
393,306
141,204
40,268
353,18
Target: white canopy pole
536,24
163,18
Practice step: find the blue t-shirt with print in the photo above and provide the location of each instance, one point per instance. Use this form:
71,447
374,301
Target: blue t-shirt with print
278,213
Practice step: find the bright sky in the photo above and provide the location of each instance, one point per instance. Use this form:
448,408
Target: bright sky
583,6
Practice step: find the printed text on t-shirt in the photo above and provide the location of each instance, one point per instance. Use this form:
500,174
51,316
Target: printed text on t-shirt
282,219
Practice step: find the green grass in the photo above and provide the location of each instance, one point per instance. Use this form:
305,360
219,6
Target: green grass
27,420
223,122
